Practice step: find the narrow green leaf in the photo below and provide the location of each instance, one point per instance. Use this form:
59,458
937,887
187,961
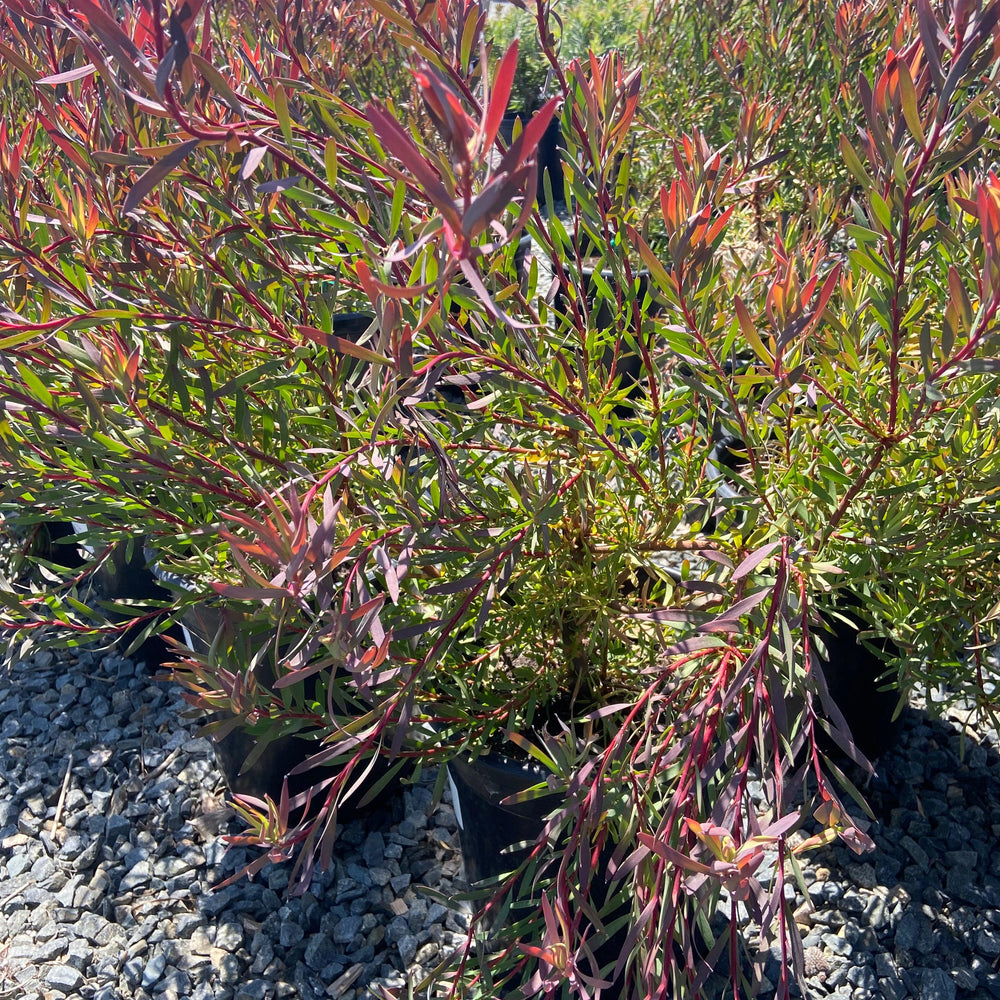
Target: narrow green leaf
881,210
816,487
330,161
218,83
529,748
750,332
343,346
926,350
393,16
949,329
659,273
861,234
908,100
17,338
469,39
398,196
960,297
35,385
871,263
899,169
854,164
281,112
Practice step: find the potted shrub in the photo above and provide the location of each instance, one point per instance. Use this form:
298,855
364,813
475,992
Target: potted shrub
512,569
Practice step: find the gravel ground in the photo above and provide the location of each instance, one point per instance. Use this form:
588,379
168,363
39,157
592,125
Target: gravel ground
111,811
110,816
919,917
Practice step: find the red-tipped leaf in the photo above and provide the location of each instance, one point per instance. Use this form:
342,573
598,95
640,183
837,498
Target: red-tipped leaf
502,84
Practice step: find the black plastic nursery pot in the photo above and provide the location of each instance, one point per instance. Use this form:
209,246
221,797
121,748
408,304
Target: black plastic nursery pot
265,775
488,827
549,155
123,575
628,365
852,673
521,254
853,667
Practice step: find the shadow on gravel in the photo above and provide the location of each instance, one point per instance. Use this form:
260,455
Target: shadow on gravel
111,817
920,917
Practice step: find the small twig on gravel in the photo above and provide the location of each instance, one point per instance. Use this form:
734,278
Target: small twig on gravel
151,776
62,796
129,899
17,892
342,983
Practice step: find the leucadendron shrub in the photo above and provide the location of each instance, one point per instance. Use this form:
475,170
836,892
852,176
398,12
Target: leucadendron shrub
488,516
783,77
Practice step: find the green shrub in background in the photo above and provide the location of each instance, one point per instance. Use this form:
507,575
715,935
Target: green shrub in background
464,526
576,26
782,76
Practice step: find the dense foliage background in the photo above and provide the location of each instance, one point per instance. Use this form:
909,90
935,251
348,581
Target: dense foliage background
265,322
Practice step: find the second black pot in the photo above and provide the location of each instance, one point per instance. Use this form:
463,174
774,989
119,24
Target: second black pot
549,156
488,827
265,775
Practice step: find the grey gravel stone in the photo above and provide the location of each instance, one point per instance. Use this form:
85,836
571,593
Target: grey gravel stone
962,859
346,930
116,827
407,946
936,984
135,877
913,931
965,978
229,936
48,951
320,952
63,977
915,851
988,942
963,884
18,864
862,977
255,989
837,945
229,968
290,934
94,928
373,849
